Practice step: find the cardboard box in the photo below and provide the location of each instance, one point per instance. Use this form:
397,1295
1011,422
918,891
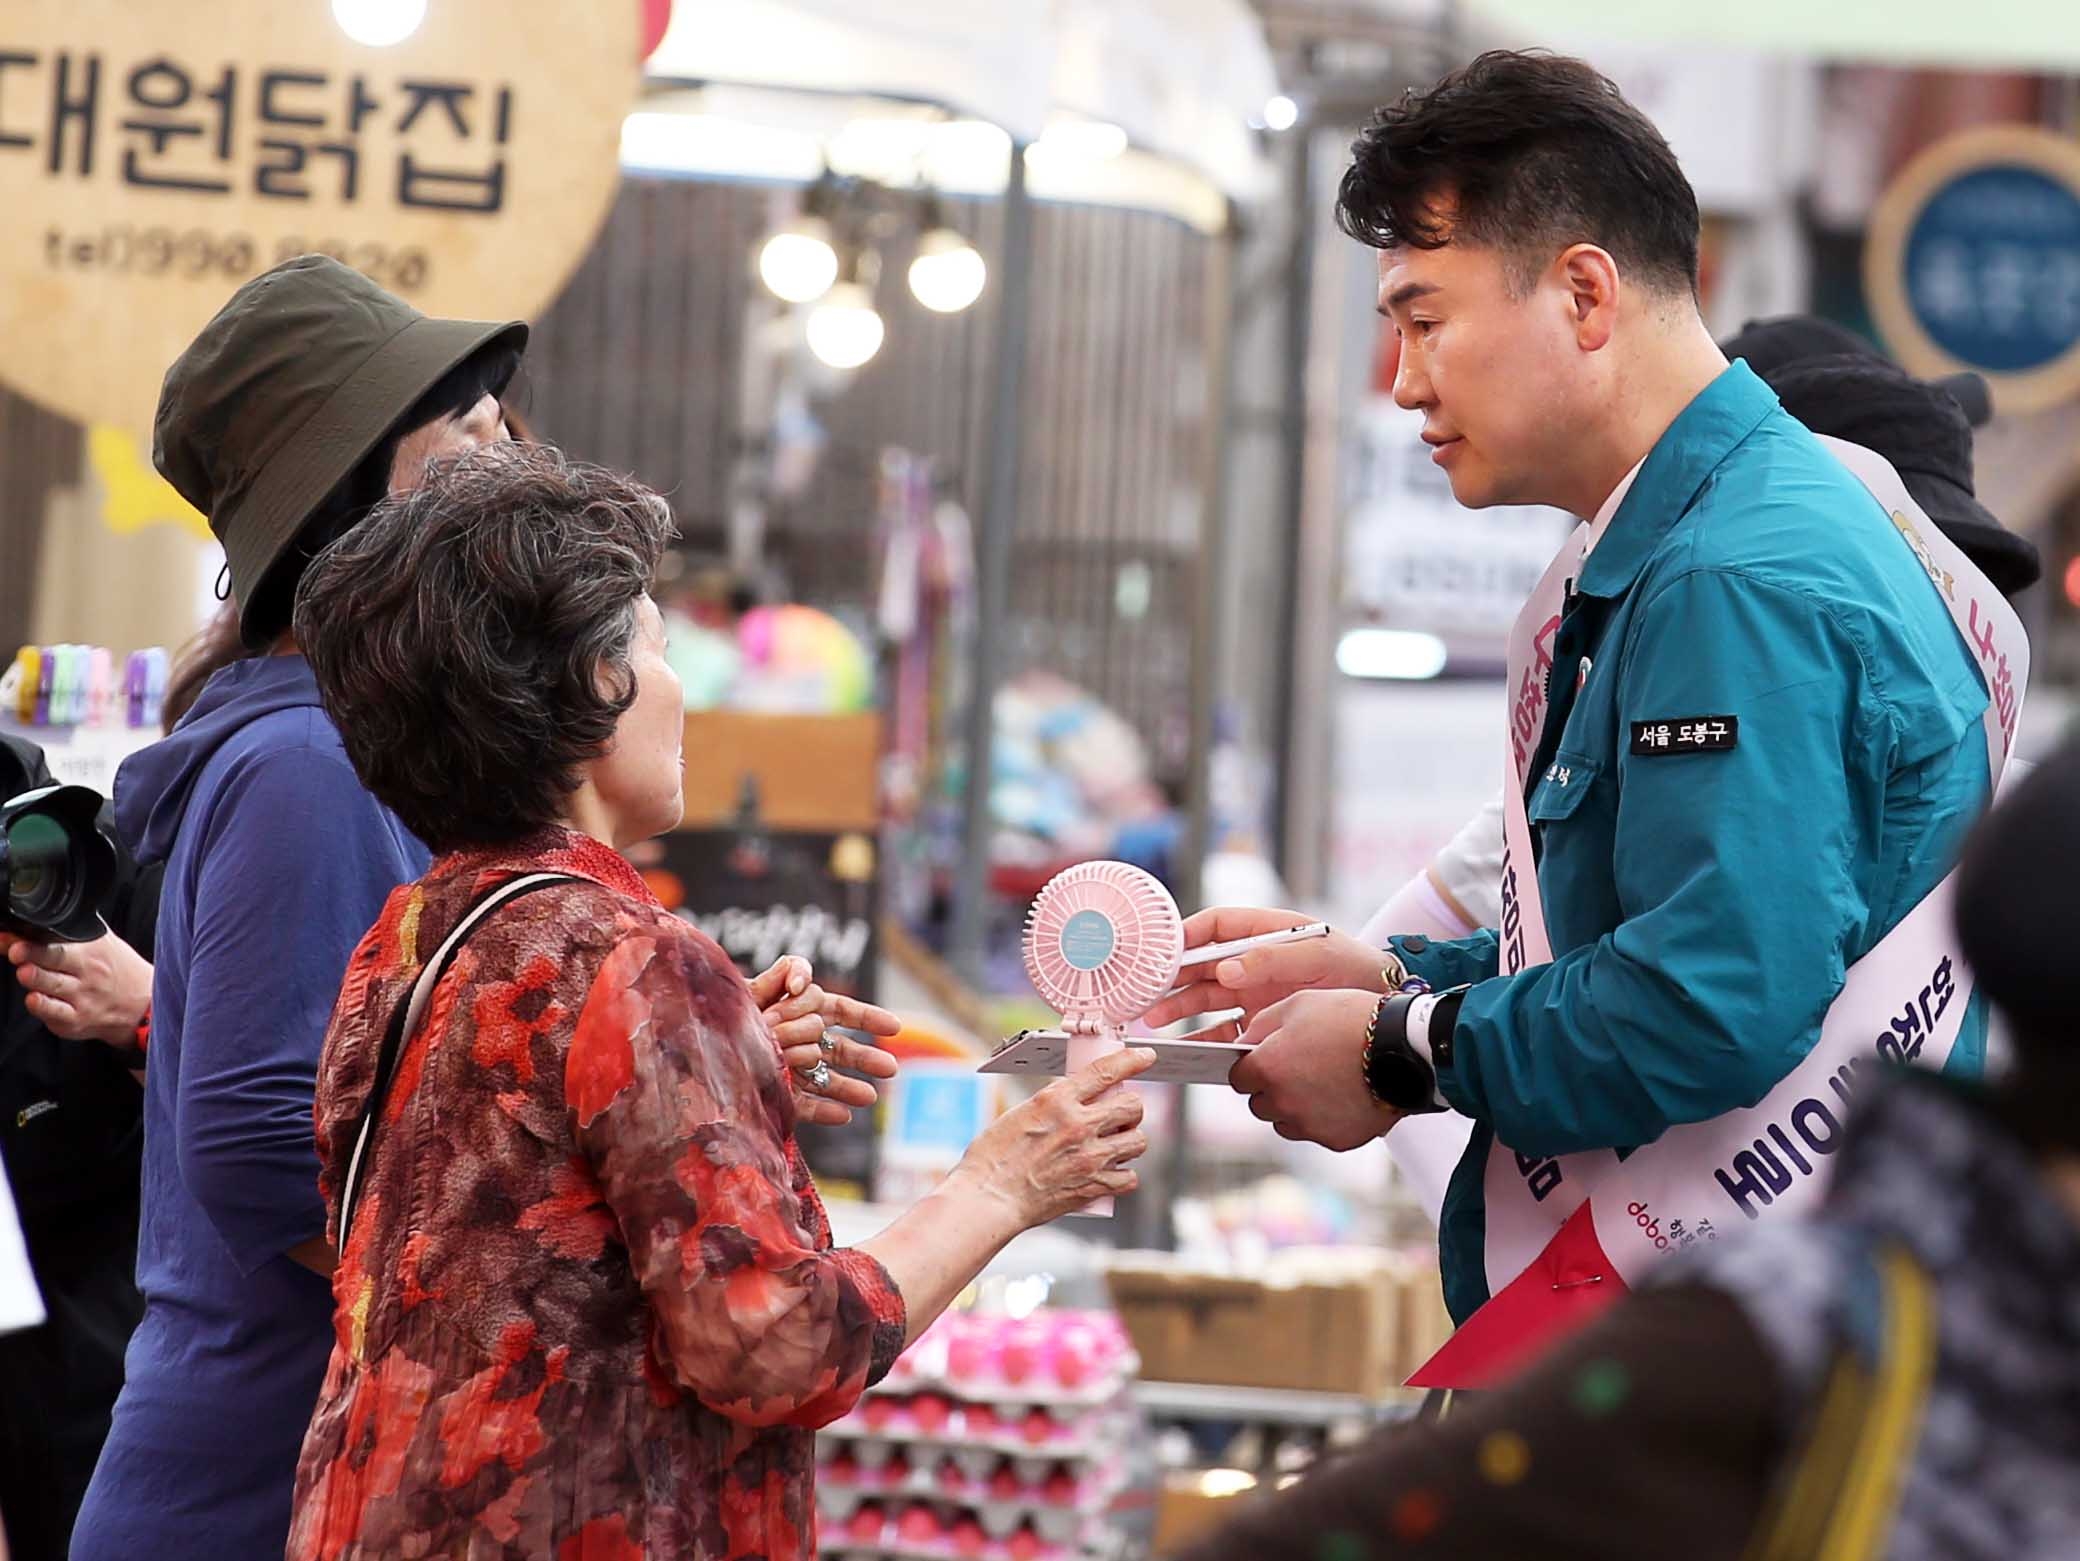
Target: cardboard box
1425,1324
814,772
1322,1328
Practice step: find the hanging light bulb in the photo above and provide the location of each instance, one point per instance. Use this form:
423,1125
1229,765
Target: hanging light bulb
948,274
379,23
799,263
844,329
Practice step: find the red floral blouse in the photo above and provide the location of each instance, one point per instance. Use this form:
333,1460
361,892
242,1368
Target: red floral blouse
590,1310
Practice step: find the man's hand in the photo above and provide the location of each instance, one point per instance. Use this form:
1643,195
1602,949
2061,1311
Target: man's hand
97,991
1305,1072
804,1020
1263,977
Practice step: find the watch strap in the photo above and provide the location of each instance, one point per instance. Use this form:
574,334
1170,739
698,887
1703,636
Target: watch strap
1396,1073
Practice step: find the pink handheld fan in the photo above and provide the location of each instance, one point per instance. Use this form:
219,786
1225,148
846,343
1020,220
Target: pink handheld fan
1104,942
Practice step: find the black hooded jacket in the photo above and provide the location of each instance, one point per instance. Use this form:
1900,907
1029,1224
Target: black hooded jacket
72,1134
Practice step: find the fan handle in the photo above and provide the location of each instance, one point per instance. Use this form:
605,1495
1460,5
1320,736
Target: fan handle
1085,1048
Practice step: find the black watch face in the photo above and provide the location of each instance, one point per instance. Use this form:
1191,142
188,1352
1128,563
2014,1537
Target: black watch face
1400,1079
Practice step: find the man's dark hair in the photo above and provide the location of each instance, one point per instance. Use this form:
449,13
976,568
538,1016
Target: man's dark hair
1525,154
471,637
485,373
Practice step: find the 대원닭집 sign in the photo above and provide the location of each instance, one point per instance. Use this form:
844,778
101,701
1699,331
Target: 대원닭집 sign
153,156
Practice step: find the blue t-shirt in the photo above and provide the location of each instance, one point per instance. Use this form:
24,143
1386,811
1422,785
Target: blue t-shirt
277,863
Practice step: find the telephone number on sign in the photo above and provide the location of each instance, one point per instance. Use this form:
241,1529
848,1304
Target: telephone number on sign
198,252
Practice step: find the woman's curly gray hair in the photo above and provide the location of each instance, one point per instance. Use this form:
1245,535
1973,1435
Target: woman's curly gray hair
471,637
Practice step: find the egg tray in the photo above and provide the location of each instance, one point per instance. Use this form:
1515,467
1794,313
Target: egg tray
1057,1525
1093,1493
978,1458
1037,1392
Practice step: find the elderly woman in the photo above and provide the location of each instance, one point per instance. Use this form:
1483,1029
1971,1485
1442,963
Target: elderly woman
309,396
588,1302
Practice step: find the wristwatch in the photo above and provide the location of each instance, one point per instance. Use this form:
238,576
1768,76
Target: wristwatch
1409,1039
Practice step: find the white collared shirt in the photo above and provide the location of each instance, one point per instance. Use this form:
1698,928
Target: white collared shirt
1601,523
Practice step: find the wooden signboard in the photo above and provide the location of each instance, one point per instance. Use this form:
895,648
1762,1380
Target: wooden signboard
153,156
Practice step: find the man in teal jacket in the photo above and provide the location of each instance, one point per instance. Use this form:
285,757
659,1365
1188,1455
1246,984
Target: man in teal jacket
1704,907
1538,256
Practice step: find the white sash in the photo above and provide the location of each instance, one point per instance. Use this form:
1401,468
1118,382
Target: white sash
1904,1000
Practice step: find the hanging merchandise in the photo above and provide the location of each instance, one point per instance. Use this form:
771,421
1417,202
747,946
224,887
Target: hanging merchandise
1070,781
70,701
925,611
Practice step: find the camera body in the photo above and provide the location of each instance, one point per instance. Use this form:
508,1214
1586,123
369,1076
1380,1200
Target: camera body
57,865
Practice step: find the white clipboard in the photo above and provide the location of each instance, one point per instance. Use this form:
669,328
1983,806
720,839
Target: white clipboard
1045,1054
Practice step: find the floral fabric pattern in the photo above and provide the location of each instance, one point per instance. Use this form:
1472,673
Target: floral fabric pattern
590,1309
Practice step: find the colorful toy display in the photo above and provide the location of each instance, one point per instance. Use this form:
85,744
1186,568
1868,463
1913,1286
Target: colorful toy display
801,659
1070,778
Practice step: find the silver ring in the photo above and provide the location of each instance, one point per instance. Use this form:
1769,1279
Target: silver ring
818,1078
829,1042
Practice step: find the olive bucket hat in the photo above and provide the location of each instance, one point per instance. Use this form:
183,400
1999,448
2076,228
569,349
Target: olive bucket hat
293,384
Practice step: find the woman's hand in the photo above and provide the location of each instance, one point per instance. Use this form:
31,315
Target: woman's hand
95,991
804,1019
1066,1147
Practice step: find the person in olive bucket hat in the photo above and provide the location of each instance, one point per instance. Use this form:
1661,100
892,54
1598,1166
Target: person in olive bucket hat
311,395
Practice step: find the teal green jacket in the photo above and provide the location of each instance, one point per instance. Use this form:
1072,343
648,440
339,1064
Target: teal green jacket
1704,905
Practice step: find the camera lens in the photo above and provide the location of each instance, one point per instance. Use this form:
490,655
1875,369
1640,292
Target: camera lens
41,875
59,863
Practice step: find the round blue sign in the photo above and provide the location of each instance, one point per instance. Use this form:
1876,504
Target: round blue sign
1992,267
1973,262
1088,939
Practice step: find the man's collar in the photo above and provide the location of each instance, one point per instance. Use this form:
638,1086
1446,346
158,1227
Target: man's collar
1662,487
1602,522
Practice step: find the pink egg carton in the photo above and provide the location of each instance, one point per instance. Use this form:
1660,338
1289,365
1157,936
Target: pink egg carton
1055,1498
927,1533
880,1425
995,1520
1049,1357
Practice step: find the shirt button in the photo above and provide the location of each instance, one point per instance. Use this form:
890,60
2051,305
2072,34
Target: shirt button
1417,944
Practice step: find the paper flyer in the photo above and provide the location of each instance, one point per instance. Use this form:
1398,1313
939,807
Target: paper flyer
21,1306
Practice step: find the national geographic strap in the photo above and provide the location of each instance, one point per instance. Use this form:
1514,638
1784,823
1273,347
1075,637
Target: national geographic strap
1841,1488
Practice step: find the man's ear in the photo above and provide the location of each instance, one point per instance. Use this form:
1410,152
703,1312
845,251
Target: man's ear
1588,280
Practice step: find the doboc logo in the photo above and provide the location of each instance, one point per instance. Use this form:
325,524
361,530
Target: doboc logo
1649,1225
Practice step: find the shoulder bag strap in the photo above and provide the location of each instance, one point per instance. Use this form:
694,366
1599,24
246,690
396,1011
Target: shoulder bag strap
1845,1477
406,1019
